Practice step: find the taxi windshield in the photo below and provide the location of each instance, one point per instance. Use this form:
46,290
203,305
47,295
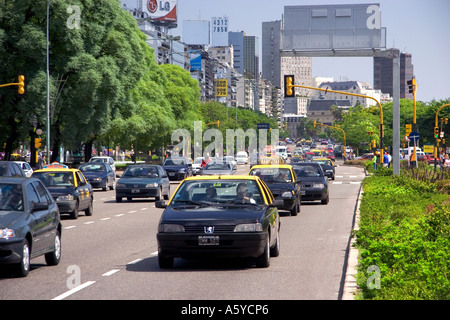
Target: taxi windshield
218,191
93,167
273,175
55,179
323,161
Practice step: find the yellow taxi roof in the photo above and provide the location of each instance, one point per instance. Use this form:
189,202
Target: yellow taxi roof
56,170
287,166
216,177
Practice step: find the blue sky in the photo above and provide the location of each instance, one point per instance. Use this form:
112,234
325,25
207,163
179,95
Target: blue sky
420,27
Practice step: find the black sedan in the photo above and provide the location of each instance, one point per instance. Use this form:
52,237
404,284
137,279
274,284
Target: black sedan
99,174
178,168
143,181
29,224
224,216
314,185
283,184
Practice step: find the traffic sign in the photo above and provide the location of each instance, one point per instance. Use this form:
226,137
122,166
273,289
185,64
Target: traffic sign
414,136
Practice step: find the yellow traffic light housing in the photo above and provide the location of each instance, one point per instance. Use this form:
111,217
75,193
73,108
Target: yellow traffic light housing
314,124
37,142
436,132
21,84
412,85
218,122
288,86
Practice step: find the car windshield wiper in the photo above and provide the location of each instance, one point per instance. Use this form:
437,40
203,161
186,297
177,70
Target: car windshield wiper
195,203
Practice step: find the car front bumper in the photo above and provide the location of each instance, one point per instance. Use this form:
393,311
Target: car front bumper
243,245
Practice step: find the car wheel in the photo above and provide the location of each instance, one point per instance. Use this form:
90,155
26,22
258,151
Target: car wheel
118,199
164,261
294,210
166,196
23,267
90,209
111,187
263,261
326,200
74,213
275,251
53,258
129,198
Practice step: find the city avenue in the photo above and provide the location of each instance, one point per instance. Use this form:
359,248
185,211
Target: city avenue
112,255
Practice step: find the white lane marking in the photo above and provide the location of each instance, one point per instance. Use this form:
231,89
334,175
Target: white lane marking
111,272
119,215
337,182
132,211
103,219
70,227
142,209
89,222
72,291
135,261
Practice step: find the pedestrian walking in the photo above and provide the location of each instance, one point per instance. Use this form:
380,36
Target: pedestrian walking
374,161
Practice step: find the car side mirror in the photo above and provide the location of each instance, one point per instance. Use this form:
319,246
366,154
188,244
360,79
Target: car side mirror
160,204
39,206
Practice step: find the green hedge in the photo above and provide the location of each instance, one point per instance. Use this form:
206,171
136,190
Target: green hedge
403,239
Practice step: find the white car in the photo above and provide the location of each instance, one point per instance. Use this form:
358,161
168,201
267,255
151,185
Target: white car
25,167
106,159
241,157
197,165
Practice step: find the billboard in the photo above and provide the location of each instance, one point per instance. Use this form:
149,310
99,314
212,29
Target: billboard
329,27
160,11
219,31
196,60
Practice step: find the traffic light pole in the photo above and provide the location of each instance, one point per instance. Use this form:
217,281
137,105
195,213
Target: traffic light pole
436,136
289,87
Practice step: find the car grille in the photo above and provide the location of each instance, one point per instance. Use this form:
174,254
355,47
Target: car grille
201,228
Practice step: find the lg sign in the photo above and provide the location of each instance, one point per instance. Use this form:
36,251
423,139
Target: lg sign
152,6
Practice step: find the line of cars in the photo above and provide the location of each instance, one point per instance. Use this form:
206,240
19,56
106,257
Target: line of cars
30,208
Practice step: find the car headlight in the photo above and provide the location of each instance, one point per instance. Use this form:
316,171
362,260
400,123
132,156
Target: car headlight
67,197
7,233
152,185
287,194
183,170
167,227
98,179
318,185
329,170
248,227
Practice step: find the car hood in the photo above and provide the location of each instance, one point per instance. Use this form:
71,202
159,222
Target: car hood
58,191
92,175
280,187
8,218
195,214
174,167
134,180
312,179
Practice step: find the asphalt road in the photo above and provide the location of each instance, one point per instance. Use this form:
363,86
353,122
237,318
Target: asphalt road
112,255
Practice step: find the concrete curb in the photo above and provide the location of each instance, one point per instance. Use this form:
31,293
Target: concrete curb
350,287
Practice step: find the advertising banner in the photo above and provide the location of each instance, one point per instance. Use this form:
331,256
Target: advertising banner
157,10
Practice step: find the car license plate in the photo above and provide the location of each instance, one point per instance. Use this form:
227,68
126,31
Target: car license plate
135,190
171,174
302,193
208,240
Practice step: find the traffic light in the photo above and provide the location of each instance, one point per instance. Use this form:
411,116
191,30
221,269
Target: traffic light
21,84
411,85
436,132
289,91
314,124
218,122
37,142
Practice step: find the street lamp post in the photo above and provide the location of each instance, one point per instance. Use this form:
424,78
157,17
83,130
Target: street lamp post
47,147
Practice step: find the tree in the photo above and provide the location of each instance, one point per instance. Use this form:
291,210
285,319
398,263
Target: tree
99,63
